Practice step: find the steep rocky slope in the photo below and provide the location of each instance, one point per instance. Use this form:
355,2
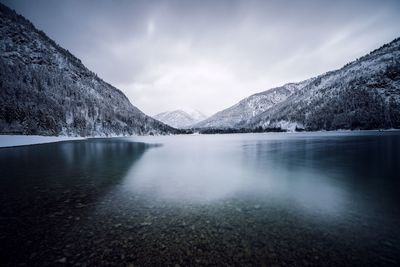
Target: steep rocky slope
46,90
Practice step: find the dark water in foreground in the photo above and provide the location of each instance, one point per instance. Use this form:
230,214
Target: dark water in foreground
321,199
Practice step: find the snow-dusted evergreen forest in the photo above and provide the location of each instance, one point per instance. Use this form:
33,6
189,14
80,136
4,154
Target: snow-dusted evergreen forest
46,90
364,94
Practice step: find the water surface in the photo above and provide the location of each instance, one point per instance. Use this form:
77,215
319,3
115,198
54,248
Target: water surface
318,199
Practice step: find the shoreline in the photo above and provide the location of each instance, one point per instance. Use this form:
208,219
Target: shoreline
7,141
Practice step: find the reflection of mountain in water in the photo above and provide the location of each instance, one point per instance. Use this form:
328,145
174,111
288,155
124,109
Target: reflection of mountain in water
45,190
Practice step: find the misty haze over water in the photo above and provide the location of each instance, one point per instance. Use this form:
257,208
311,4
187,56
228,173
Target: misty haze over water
323,199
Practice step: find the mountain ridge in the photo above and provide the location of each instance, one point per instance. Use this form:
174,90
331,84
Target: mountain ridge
48,91
181,119
381,65
249,107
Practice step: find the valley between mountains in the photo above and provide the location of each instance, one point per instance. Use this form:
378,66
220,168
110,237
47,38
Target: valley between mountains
45,90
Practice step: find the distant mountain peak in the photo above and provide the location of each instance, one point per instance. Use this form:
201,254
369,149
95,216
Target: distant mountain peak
180,118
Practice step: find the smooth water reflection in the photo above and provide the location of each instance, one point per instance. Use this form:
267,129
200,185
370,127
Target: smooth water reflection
320,172
319,199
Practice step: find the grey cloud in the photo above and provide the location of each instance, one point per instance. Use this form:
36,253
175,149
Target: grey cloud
209,54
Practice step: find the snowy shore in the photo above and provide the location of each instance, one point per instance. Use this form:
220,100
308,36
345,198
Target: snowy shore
23,140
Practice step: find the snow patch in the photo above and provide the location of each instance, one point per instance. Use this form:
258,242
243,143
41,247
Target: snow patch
23,140
289,125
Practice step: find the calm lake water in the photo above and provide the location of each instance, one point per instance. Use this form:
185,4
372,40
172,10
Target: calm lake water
279,199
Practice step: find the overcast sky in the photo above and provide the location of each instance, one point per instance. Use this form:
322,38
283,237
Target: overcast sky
207,55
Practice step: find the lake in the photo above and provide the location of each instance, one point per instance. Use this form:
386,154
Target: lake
273,199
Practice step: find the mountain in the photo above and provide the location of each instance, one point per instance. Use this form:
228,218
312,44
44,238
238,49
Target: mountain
364,94
196,115
250,107
180,119
46,90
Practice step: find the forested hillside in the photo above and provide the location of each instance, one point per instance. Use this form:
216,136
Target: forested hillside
46,90
364,94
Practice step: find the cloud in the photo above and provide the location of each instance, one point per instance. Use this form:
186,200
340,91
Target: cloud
208,55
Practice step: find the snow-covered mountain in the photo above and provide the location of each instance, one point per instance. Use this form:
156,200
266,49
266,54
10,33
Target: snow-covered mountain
196,115
46,90
180,118
364,94
250,107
